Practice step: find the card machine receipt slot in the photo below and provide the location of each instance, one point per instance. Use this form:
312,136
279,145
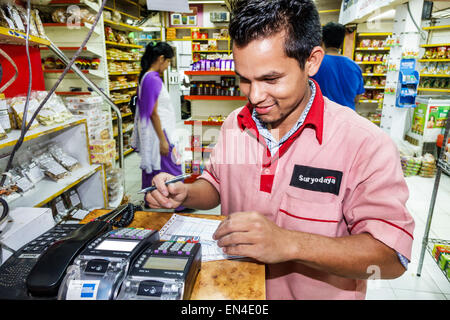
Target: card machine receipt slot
166,270
98,271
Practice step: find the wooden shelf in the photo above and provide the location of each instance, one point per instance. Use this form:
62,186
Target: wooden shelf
210,73
123,87
215,98
124,115
8,36
374,34
125,153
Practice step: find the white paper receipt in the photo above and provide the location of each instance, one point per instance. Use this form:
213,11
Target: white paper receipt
82,289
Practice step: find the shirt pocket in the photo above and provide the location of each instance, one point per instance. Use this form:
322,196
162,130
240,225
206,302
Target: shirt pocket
306,216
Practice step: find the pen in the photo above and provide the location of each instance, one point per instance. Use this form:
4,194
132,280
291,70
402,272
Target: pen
176,179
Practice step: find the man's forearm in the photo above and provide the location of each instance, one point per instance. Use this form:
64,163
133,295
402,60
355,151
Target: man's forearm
201,195
357,256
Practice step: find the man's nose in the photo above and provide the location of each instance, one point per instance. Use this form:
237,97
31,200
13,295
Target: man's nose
256,94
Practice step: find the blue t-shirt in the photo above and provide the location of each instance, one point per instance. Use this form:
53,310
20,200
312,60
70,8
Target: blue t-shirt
340,80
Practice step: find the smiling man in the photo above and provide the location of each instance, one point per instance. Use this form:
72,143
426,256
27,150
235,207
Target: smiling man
311,189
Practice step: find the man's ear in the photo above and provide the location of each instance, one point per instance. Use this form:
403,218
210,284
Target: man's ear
312,64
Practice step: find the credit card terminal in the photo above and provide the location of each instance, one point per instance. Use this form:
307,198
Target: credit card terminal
98,271
166,270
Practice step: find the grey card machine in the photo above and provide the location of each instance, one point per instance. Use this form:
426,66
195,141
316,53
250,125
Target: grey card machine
166,270
98,271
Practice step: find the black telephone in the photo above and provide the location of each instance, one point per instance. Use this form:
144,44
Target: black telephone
37,269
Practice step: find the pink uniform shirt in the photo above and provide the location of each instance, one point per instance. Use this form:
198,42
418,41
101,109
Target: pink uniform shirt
337,175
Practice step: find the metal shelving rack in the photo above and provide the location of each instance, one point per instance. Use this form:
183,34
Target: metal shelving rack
428,243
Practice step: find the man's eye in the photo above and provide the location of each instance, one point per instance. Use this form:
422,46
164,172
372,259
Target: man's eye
271,80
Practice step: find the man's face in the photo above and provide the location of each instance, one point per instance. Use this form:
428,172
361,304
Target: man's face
274,83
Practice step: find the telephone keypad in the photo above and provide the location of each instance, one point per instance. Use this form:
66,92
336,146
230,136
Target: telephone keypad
45,240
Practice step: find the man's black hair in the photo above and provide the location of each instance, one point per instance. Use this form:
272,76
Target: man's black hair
257,19
333,35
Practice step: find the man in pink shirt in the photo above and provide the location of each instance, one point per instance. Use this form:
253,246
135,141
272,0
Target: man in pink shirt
310,188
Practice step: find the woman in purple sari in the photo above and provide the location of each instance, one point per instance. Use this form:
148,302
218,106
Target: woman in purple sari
153,137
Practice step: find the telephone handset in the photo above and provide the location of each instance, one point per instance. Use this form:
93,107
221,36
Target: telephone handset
47,274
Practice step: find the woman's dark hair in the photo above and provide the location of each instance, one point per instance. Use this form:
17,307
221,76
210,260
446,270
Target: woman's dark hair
257,19
333,35
152,52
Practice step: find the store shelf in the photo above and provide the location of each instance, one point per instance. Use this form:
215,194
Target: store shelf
436,75
122,101
46,190
94,73
369,62
210,73
8,36
444,166
436,27
374,74
435,45
369,101
210,51
124,87
121,26
433,90
122,59
123,45
430,245
374,34
203,122
92,5
14,135
123,73
125,153
215,97
373,49
374,87
124,115
434,60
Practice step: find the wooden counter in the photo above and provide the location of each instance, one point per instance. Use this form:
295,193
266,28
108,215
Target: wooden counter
217,280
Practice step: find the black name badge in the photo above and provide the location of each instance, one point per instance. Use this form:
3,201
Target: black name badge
316,179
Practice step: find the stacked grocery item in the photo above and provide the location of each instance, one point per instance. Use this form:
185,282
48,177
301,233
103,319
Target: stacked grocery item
441,52
83,63
115,66
117,54
410,165
424,166
101,144
428,167
14,17
226,87
119,37
371,57
54,111
218,64
37,162
114,182
441,254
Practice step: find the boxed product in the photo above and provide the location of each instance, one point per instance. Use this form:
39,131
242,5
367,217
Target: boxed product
102,146
444,260
438,249
104,157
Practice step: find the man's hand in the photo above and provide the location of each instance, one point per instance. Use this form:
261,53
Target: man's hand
166,196
250,234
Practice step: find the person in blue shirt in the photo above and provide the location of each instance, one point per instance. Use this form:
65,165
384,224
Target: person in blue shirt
339,77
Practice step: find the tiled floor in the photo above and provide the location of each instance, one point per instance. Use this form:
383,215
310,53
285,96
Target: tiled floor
431,285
